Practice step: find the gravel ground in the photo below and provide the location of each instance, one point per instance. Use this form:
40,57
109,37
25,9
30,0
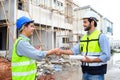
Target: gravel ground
74,73
113,72
71,73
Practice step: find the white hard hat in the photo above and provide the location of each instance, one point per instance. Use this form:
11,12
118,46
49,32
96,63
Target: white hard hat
91,14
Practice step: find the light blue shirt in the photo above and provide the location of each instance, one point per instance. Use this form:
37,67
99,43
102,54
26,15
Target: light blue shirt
26,49
104,45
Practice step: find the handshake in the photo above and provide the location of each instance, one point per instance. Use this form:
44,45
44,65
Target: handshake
82,58
56,51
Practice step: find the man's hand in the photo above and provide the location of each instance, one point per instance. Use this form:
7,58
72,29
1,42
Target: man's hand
87,59
53,51
90,59
59,51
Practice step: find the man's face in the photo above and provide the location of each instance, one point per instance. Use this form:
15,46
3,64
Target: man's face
86,25
30,29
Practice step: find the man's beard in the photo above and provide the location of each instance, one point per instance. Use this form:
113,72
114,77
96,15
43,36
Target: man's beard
88,28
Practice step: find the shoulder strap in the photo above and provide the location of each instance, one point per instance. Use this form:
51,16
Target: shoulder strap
98,39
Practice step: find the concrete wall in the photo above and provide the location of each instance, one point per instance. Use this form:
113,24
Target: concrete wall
5,5
11,18
51,18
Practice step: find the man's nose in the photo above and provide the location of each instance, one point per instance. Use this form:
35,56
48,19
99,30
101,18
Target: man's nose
34,28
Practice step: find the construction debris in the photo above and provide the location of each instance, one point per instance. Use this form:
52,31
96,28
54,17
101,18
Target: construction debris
46,77
5,69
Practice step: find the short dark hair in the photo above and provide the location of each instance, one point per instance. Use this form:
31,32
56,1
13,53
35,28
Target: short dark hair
27,24
93,19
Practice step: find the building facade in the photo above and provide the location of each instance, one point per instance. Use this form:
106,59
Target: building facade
108,30
53,22
58,23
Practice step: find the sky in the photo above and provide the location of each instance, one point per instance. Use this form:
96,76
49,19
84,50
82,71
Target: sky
107,8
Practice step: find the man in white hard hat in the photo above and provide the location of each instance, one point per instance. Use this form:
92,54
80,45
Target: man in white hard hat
92,44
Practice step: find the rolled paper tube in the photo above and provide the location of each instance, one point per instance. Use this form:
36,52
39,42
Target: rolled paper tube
79,57
76,57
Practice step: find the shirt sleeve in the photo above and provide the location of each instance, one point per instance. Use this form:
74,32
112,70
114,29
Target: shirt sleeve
105,47
76,49
26,49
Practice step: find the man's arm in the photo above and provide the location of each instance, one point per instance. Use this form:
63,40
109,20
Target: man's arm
26,49
91,60
105,47
66,52
73,51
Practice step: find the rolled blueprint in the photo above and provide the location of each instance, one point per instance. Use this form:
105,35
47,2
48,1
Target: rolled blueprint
76,57
79,57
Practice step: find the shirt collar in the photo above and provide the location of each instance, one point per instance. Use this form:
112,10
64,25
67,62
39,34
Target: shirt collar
21,35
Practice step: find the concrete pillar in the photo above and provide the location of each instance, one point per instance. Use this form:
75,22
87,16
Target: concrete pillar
12,19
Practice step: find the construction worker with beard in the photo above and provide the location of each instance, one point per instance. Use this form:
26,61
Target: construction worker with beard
94,44
24,55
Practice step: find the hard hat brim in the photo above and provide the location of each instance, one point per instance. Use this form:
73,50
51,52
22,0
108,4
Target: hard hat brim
31,21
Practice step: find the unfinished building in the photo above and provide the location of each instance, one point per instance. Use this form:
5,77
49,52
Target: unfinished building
53,22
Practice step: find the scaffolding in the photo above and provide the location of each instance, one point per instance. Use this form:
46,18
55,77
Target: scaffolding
66,15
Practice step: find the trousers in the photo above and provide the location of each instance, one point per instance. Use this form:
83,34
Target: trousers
87,76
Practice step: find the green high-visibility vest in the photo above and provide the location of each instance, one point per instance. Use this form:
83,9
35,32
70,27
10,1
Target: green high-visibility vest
89,46
23,68
90,43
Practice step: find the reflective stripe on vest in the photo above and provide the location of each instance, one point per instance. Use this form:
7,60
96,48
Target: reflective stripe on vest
89,45
95,64
23,68
23,73
23,63
97,54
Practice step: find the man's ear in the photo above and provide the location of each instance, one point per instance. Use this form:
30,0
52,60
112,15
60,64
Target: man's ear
92,22
24,28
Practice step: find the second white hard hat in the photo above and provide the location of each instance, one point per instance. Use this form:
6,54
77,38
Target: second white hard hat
91,14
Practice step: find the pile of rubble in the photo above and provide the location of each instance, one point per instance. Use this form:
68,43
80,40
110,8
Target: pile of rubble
46,77
5,69
54,68
45,71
